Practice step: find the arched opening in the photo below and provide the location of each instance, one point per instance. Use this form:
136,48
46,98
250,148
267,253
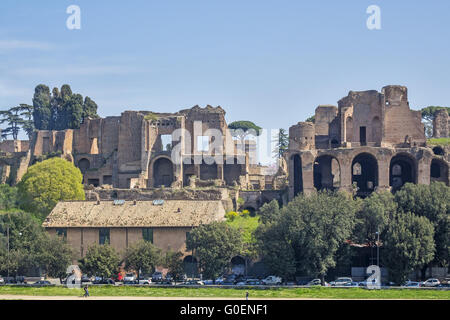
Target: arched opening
327,173
162,172
334,143
238,265
439,171
190,267
251,210
208,171
349,129
438,151
365,174
298,179
402,170
376,130
84,164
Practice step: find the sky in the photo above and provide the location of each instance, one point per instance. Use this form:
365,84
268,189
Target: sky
271,62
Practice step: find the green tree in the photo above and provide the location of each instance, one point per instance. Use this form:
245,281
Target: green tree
174,264
214,245
8,197
47,182
41,108
100,260
89,109
269,212
242,129
143,256
311,119
73,112
310,230
53,255
408,245
433,202
374,215
428,117
282,143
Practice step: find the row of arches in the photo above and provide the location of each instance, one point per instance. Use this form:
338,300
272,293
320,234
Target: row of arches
364,172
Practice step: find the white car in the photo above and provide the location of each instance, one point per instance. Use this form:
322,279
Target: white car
317,282
129,278
271,281
432,282
2,281
340,282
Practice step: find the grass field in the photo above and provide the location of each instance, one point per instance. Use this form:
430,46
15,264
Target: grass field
212,292
439,141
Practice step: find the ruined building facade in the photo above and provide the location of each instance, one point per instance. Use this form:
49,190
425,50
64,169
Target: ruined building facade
370,141
135,149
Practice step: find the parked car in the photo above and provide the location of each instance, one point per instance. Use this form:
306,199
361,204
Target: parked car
411,284
341,281
432,282
105,281
42,283
85,278
192,283
366,283
2,281
157,276
317,282
144,280
271,280
130,278
351,284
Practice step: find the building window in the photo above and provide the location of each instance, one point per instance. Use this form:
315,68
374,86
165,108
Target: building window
202,143
147,234
62,232
104,236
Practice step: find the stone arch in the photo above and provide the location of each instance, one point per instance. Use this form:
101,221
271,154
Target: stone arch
251,209
438,151
190,266
402,169
439,171
238,265
365,173
208,171
84,164
162,172
376,130
327,173
349,129
298,176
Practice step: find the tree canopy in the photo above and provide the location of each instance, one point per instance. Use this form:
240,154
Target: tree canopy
214,245
144,256
282,143
242,129
47,182
100,260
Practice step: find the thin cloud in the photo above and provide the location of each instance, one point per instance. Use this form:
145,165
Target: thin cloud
77,71
19,44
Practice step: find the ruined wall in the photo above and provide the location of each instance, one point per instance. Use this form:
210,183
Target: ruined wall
324,116
400,123
441,124
302,136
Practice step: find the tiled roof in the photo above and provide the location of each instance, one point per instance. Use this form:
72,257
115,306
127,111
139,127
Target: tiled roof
172,213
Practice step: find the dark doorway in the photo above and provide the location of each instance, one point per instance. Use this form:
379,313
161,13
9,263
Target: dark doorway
190,267
162,172
298,180
401,170
326,173
362,136
439,171
365,174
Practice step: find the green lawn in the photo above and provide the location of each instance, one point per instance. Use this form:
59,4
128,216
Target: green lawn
439,141
318,292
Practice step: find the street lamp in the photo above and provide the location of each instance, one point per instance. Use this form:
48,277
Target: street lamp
378,248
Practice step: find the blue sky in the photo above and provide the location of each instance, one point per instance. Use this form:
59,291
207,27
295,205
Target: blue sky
271,62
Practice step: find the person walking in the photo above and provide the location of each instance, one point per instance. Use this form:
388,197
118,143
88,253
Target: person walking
246,295
86,291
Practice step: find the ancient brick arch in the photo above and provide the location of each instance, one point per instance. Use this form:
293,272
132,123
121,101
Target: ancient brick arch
326,172
161,172
364,173
439,171
402,169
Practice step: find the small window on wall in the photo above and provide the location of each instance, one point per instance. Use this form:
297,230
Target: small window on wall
166,141
103,236
202,143
147,234
62,232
